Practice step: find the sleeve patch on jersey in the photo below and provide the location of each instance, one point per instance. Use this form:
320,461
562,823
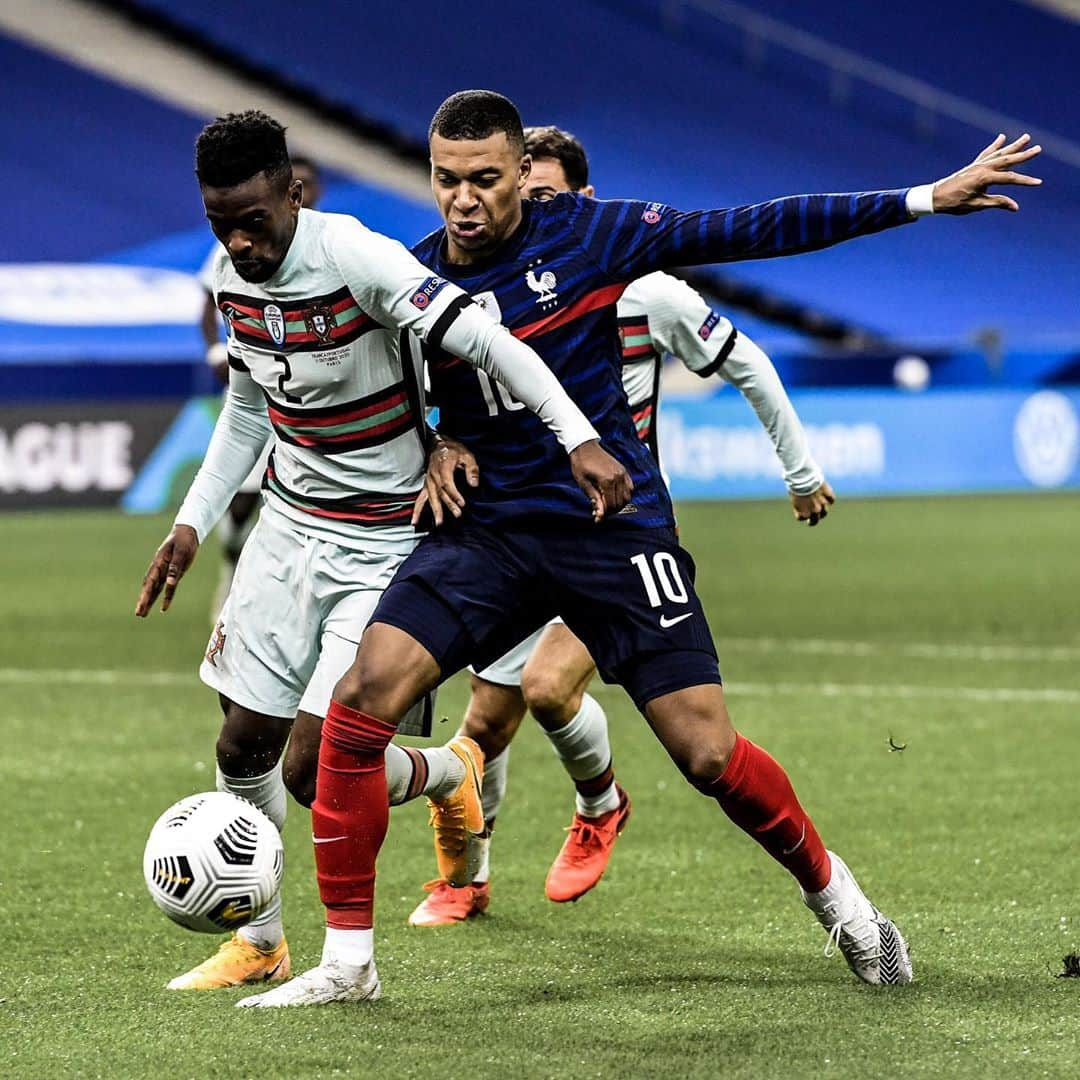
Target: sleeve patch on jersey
427,292
652,213
706,328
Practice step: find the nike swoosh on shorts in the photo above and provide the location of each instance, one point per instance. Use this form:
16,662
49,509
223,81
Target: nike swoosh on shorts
666,623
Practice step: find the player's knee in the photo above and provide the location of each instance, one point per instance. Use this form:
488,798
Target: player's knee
492,738
250,743
240,753
379,688
548,695
703,765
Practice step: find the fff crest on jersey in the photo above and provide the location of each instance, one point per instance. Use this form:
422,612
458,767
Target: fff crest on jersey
320,321
274,319
544,285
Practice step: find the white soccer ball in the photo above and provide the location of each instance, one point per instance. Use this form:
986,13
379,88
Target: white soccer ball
911,373
213,862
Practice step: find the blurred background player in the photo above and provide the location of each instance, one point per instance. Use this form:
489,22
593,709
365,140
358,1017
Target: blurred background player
549,672
236,525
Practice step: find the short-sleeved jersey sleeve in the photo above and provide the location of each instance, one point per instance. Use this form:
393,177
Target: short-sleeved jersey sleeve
391,285
681,322
629,239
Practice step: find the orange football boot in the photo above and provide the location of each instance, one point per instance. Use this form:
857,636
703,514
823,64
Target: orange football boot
460,817
585,852
236,962
448,905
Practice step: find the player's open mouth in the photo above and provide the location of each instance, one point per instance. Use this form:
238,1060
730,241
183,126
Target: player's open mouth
465,228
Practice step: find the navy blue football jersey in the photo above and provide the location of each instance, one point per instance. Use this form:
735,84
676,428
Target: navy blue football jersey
555,283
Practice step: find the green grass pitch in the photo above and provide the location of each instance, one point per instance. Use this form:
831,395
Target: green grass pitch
952,626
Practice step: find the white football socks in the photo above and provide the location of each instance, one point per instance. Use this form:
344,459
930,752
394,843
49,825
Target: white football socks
492,797
433,771
348,948
583,748
267,792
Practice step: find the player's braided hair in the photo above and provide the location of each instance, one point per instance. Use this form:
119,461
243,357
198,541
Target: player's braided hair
558,145
476,114
238,146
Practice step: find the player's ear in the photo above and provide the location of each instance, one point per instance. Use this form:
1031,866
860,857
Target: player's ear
296,194
588,191
524,170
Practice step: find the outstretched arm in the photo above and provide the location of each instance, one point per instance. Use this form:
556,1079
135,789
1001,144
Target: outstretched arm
682,323
632,239
239,436
749,369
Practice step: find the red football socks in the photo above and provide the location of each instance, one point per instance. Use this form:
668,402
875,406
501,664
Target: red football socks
350,814
755,792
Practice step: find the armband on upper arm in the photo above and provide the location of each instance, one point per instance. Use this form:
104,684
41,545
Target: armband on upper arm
721,356
447,319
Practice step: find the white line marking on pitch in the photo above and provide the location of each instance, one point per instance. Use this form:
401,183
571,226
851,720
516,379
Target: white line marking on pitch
1048,695
76,677
1052,695
915,650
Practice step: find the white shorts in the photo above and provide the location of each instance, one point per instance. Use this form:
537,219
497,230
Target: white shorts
294,615
506,671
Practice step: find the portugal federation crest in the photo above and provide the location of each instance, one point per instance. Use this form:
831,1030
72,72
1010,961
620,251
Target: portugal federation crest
320,321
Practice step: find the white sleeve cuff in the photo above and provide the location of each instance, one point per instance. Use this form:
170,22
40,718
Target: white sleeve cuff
920,200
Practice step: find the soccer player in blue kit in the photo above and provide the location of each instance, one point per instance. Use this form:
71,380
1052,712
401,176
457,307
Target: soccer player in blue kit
527,545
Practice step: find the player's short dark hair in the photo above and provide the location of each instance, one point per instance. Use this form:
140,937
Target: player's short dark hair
557,145
477,114
238,146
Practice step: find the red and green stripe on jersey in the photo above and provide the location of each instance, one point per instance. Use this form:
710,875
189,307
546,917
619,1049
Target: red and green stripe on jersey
643,420
353,425
306,325
366,509
637,342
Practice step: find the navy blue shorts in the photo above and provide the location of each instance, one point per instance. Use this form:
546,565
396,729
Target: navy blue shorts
468,594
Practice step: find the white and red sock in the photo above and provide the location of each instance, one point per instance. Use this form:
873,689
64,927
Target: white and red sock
434,771
585,752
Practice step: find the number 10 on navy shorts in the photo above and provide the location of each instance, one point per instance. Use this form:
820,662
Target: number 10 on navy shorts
469,593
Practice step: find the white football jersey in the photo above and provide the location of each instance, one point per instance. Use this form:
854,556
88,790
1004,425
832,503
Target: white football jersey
660,314
321,338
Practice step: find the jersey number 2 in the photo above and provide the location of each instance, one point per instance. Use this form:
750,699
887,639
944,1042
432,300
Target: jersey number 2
283,378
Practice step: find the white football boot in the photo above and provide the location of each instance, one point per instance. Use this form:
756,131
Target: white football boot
331,981
872,945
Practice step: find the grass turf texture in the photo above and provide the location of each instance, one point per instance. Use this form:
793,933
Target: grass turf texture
694,956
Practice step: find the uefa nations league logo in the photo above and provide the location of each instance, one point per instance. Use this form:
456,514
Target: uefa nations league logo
274,318
1046,438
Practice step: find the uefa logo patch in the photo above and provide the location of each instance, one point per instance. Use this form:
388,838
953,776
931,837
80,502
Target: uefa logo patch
652,213
706,328
427,292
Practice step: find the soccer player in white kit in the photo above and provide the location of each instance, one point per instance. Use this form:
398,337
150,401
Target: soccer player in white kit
548,673
316,307
236,524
